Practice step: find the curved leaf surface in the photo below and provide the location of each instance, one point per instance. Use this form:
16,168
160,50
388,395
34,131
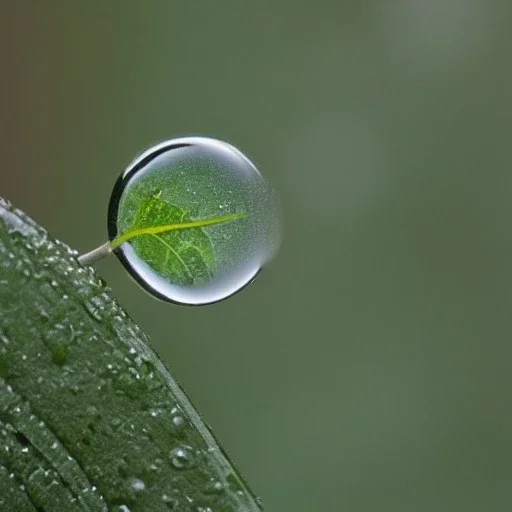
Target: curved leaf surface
90,419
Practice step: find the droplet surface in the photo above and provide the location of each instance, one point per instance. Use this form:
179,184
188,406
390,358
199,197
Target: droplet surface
193,220
181,458
137,485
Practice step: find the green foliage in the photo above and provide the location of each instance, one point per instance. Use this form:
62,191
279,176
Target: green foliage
90,419
169,241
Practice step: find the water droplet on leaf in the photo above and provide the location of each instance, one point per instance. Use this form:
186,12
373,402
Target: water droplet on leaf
214,487
178,424
181,458
167,228
172,503
138,485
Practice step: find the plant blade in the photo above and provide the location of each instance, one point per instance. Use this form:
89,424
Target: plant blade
90,419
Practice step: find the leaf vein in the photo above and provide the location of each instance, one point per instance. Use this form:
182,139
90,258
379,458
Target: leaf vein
180,259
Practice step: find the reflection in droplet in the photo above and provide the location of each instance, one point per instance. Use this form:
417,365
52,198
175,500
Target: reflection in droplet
189,180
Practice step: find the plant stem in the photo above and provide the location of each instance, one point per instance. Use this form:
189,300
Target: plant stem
105,249
96,254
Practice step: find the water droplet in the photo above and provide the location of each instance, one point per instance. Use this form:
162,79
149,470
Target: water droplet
58,338
172,503
214,487
178,424
181,458
156,465
138,485
186,181
59,353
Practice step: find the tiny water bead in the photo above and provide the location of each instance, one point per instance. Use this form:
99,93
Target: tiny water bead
192,220
181,458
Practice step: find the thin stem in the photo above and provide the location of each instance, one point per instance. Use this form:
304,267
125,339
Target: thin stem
96,254
104,250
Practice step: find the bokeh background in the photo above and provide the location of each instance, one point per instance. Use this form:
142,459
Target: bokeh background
369,367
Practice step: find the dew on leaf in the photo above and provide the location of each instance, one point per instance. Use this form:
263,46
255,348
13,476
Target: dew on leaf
178,424
181,458
172,503
214,487
59,353
137,485
156,465
193,220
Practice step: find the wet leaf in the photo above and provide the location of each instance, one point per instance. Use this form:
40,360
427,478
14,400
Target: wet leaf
90,419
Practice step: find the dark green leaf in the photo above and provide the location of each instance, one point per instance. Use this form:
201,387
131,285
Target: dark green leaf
90,419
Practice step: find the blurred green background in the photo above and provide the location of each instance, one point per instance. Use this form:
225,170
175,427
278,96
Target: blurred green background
369,368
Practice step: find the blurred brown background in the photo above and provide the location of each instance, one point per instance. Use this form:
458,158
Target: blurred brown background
369,368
